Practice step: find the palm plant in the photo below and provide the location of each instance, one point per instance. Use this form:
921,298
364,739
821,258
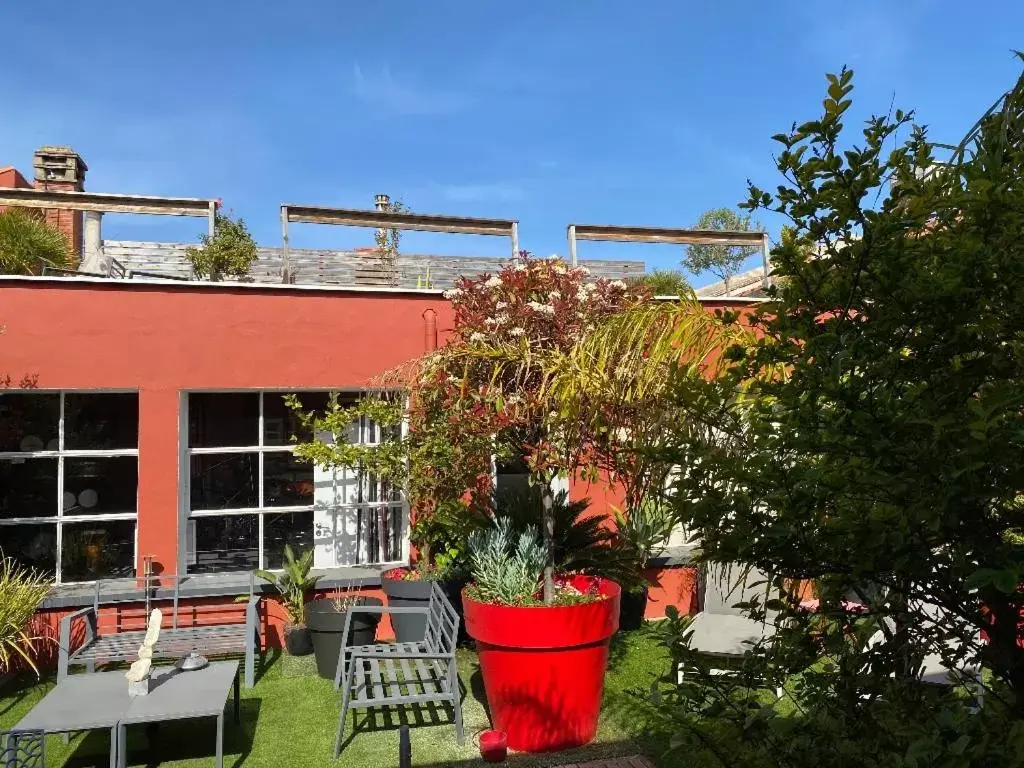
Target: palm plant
293,583
582,543
28,243
22,591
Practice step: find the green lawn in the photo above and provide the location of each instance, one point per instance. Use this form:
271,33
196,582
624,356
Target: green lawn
289,719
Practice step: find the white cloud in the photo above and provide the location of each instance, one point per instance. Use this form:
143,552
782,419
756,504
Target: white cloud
380,89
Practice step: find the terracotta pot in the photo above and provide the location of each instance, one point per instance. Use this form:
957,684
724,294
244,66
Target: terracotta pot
544,666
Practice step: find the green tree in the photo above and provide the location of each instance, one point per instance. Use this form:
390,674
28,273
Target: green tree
723,261
230,252
887,464
28,243
664,282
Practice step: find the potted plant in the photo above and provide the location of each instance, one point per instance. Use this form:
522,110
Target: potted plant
542,656
22,591
293,583
325,619
440,536
641,532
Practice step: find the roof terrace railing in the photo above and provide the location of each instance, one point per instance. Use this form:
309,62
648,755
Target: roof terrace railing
626,234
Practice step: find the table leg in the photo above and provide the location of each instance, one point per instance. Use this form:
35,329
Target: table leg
220,740
117,750
238,719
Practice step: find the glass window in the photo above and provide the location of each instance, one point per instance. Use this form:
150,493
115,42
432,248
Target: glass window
28,487
101,549
280,424
223,420
101,421
33,545
224,480
224,543
295,528
263,494
101,485
29,422
71,459
287,481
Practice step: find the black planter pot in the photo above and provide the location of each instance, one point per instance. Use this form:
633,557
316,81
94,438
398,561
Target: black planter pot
326,626
411,593
631,609
297,640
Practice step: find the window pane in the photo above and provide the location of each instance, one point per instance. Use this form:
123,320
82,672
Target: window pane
98,550
287,481
105,421
380,529
28,488
295,528
225,544
101,486
28,422
224,480
223,419
280,423
33,545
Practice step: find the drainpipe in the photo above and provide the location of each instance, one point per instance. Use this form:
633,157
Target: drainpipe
429,330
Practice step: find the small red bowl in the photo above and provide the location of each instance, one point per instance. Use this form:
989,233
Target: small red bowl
493,746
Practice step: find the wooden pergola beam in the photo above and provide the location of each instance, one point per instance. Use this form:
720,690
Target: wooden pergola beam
673,235
420,222
107,203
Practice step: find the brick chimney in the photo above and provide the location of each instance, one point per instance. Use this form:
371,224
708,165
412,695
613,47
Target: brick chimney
61,169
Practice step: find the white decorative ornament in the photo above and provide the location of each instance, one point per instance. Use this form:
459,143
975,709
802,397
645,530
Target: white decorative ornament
138,674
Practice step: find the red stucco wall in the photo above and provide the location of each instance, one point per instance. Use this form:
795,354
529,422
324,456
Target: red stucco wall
163,340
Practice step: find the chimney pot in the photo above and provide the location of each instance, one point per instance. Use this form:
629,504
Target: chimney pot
381,202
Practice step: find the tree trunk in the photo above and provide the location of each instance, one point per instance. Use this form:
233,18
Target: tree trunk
548,527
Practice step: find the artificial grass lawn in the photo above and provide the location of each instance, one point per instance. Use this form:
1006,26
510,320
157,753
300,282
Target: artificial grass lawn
289,719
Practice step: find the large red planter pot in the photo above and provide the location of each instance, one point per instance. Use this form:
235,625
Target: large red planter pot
543,666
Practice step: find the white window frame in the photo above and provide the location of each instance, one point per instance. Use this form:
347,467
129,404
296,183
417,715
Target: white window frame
61,454
189,515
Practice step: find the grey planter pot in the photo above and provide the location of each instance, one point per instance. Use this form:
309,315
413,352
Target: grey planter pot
297,640
409,628
326,626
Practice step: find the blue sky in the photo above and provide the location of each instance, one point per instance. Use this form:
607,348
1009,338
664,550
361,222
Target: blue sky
643,113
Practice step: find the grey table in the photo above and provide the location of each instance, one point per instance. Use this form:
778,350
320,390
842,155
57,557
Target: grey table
100,700
82,703
176,695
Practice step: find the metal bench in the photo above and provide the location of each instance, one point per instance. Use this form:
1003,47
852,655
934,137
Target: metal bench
375,675
214,638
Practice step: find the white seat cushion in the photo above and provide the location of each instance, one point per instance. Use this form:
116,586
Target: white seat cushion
723,634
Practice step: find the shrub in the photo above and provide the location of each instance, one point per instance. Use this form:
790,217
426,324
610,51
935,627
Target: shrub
28,243
229,253
22,591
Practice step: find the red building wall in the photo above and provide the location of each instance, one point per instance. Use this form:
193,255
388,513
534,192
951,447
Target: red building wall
162,339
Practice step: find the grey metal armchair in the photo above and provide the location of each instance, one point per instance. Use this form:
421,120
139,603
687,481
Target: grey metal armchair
374,675
22,749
